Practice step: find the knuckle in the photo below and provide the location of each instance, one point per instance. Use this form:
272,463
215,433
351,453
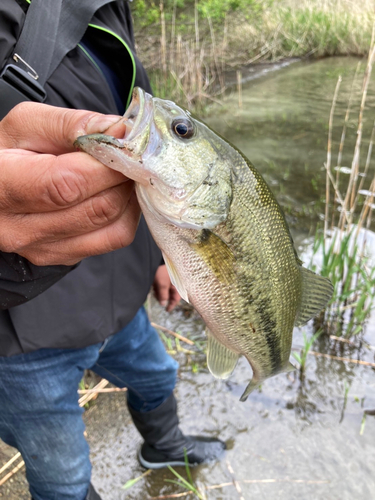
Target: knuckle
12,242
64,188
10,130
118,240
17,112
119,237
19,236
105,208
7,245
38,258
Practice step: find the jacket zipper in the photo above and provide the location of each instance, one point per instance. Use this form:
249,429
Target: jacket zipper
106,30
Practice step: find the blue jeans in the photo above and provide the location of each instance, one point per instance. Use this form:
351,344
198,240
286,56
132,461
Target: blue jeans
39,411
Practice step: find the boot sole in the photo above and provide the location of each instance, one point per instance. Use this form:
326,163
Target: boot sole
161,465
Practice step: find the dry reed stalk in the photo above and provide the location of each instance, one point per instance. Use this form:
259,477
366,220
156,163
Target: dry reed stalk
342,140
267,481
219,70
245,481
8,464
340,339
163,40
235,482
12,472
239,88
329,154
338,358
102,391
327,165
172,495
177,335
368,159
88,397
350,196
286,480
367,207
173,31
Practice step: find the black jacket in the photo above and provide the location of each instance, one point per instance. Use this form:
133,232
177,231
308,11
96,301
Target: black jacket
71,307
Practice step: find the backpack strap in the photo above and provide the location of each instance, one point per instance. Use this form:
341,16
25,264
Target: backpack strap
51,29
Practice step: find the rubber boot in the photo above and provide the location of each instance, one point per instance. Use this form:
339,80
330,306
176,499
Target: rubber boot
92,494
165,443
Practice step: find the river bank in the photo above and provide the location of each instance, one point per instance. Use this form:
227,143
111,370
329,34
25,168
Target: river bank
189,47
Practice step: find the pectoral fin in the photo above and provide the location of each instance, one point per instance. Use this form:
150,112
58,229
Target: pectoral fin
316,292
220,360
175,278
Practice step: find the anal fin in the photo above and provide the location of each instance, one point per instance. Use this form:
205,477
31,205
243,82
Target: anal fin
220,360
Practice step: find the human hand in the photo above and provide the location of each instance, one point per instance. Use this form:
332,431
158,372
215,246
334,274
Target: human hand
57,205
166,294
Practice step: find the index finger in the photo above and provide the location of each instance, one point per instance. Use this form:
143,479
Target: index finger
32,183
49,129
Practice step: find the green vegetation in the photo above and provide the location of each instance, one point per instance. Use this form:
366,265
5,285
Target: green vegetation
135,480
189,46
354,282
302,357
187,484
343,246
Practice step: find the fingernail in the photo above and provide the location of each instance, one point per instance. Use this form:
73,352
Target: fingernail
100,123
164,303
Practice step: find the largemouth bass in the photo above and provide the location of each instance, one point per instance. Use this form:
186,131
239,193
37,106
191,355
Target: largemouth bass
223,235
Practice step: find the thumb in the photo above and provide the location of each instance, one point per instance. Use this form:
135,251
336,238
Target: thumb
162,293
49,129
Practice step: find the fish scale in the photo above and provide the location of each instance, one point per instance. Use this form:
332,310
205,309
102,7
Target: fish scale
223,235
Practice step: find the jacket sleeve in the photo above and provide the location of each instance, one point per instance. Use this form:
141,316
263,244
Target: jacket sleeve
21,281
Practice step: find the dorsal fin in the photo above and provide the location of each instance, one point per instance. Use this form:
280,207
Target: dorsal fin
316,292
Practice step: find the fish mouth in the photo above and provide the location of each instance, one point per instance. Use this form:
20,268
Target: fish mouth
137,117
137,121
125,149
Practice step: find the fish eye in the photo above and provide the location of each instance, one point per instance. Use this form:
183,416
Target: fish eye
183,128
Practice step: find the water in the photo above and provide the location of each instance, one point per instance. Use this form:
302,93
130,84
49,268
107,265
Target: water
282,128
291,440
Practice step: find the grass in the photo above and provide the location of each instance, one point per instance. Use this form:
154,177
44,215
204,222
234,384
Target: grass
302,356
188,46
342,247
353,280
187,484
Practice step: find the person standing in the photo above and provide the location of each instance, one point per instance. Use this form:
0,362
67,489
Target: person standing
76,264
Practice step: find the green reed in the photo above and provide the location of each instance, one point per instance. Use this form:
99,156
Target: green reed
187,484
342,246
302,356
353,281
